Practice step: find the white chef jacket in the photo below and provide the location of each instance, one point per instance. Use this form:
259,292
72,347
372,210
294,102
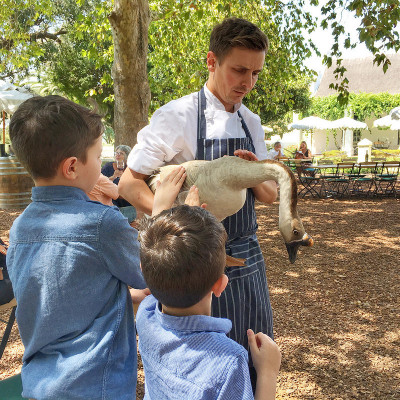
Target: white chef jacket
171,136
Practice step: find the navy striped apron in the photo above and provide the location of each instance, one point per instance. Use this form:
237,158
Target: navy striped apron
245,301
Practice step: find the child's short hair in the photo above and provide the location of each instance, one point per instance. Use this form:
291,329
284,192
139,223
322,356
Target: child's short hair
44,131
182,253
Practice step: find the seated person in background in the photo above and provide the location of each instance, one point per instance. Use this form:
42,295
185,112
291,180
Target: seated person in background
70,261
276,152
104,191
304,153
185,352
113,170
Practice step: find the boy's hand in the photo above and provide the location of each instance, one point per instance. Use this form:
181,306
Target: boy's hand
266,358
265,354
137,295
168,189
246,155
193,199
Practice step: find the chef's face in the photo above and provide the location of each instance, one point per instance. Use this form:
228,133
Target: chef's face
234,77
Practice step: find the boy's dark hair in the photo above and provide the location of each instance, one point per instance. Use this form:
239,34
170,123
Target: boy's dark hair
236,32
44,131
182,254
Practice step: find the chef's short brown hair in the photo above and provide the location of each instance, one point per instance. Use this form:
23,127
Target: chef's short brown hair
44,131
236,32
182,254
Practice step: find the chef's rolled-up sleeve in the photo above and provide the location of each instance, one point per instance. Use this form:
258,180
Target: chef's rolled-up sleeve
158,142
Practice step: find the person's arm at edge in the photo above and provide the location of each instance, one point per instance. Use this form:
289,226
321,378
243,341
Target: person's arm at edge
108,187
133,188
266,192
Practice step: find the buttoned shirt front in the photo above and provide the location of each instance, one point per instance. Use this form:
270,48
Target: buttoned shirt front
70,260
190,357
171,136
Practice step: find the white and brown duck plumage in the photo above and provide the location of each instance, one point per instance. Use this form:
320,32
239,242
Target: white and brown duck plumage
222,185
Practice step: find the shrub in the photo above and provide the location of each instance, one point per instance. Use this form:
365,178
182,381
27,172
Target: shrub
334,153
388,154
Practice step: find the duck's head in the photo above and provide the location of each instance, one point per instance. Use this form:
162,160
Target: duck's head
294,236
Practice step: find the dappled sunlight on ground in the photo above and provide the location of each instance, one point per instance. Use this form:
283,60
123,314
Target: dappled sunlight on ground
336,310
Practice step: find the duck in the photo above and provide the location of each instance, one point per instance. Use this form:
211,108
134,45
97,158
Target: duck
223,184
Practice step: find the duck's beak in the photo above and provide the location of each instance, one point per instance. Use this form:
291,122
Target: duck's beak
292,247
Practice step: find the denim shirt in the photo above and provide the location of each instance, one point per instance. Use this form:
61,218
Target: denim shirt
190,357
70,260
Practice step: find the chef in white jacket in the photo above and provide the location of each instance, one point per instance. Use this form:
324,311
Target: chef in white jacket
207,125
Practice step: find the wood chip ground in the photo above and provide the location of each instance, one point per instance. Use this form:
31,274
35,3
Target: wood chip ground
336,310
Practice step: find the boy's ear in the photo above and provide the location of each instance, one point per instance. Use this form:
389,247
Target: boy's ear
69,168
220,285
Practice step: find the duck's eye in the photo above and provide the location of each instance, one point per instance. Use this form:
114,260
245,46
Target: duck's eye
295,232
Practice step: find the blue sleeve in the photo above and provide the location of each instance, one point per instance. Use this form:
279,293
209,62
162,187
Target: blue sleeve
120,249
237,385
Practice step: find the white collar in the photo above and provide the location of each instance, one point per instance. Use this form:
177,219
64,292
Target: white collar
215,102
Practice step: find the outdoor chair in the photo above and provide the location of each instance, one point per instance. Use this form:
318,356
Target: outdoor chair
292,165
364,179
310,183
11,388
338,184
386,178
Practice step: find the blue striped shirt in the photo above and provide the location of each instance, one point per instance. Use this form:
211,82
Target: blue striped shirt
190,357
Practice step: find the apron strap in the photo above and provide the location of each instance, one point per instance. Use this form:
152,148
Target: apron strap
202,125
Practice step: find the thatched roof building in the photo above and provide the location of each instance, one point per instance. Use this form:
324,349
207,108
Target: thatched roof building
364,77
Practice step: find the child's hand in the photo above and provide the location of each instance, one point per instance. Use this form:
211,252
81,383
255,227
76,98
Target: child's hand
138,295
265,354
193,199
246,155
168,189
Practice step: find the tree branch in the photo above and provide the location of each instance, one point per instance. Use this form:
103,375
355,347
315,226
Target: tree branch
8,44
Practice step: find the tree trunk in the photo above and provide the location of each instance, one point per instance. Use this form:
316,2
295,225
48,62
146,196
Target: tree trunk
130,21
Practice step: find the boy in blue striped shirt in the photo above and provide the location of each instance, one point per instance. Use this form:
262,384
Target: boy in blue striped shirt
185,352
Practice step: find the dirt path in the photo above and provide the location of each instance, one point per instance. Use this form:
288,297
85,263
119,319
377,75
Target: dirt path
336,310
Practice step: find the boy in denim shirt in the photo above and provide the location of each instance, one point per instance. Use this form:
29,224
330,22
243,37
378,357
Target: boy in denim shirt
185,352
70,261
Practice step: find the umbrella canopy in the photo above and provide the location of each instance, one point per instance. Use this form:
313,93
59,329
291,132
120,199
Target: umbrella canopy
395,113
311,123
267,129
12,96
348,123
391,121
383,122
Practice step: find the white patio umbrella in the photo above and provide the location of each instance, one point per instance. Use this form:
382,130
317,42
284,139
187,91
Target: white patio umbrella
348,123
10,98
395,113
311,123
391,121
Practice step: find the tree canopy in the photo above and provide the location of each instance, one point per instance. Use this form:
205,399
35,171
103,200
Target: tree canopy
70,42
